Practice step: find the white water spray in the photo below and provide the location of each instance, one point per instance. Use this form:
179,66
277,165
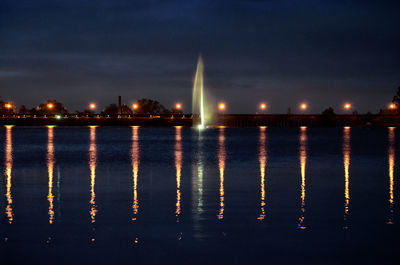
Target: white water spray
198,94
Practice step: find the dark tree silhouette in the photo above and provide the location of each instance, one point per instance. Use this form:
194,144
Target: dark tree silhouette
125,109
396,98
148,106
328,112
23,110
111,109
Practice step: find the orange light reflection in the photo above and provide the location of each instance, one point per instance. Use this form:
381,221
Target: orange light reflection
50,169
346,164
303,160
391,157
135,169
8,166
92,167
221,160
178,166
263,160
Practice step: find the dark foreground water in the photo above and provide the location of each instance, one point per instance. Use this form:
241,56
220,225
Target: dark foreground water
101,195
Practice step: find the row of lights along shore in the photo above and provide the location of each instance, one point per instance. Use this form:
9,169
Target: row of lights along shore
221,106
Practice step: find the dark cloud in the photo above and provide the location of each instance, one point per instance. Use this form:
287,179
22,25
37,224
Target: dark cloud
325,52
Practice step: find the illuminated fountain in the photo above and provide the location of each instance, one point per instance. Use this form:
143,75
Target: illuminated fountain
198,94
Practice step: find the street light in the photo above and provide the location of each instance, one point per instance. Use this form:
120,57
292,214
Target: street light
8,105
263,106
221,106
303,106
92,106
392,106
135,106
178,106
347,106
50,106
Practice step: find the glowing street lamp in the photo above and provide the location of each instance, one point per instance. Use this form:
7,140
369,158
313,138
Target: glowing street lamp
178,106
392,106
8,105
303,106
135,106
347,106
263,106
221,106
92,106
50,106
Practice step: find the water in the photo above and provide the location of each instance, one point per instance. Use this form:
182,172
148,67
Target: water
109,195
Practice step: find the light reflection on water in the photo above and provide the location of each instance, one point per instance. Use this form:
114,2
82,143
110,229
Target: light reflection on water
303,160
221,164
8,166
135,169
148,179
197,185
178,166
92,167
346,163
50,169
391,158
263,161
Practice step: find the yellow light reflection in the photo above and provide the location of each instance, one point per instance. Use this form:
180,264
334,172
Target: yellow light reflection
8,166
391,152
92,166
135,169
178,166
263,160
303,160
346,163
50,167
221,162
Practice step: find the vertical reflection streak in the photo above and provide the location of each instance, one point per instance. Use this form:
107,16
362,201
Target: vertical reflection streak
8,166
178,166
135,169
303,160
263,161
346,164
197,185
92,166
50,169
391,157
221,163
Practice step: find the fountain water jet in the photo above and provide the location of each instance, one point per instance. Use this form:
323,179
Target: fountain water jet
198,94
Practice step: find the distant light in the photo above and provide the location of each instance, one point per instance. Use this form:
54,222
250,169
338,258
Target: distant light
50,106
8,106
392,106
303,106
303,127
221,106
92,106
58,117
263,106
178,106
347,106
135,106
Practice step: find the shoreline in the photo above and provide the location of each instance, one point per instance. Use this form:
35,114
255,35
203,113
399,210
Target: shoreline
229,120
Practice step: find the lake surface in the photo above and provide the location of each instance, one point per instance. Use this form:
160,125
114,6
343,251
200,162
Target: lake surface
139,195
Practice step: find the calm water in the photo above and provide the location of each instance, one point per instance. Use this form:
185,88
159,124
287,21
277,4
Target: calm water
102,195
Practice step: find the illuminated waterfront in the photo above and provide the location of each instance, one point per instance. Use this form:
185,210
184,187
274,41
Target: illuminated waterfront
183,196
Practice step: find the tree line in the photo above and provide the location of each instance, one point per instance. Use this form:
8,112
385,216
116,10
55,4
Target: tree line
54,107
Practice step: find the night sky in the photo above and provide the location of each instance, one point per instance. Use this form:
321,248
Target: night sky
277,51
